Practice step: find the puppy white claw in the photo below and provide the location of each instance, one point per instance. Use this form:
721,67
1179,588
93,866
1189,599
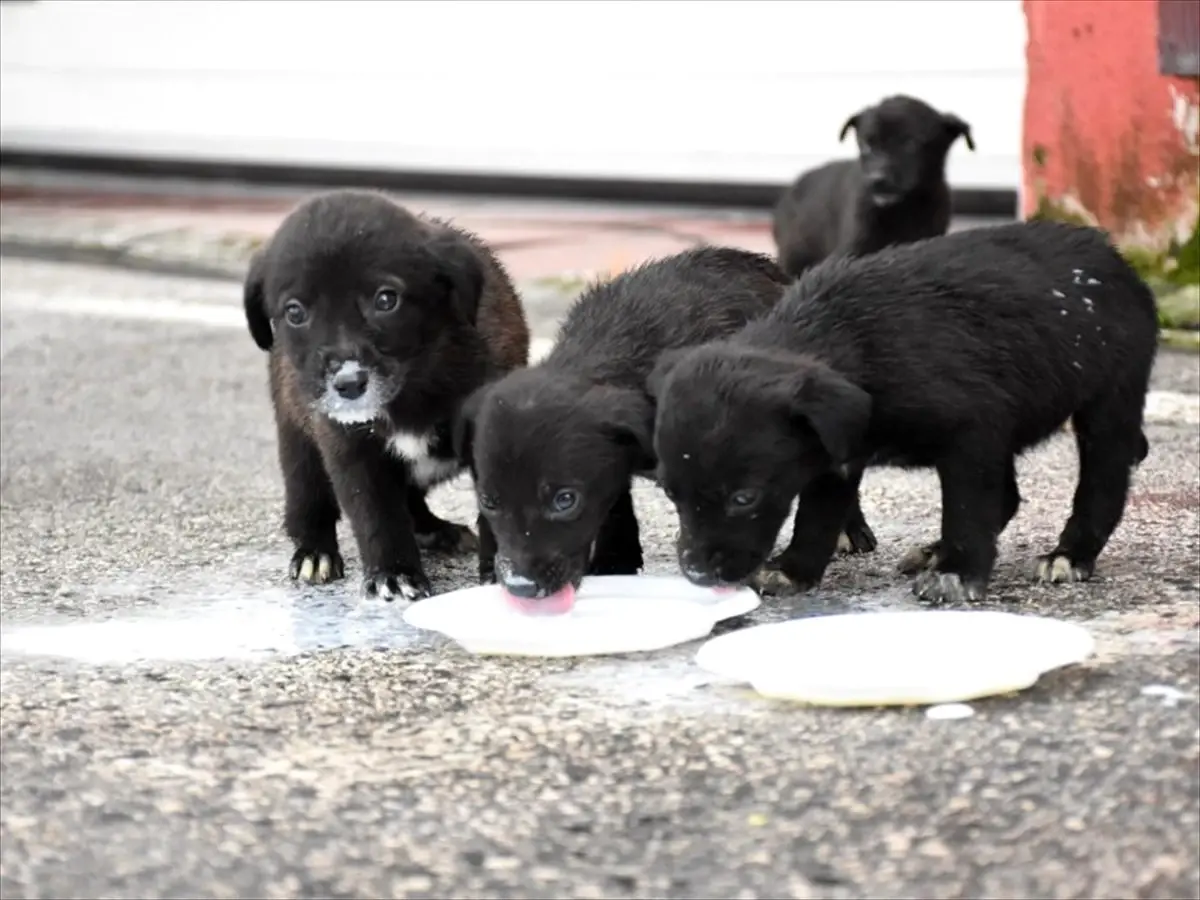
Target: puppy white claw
945,587
844,544
1059,570
388,588
315,568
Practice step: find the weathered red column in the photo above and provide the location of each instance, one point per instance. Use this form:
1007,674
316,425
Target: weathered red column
1107,137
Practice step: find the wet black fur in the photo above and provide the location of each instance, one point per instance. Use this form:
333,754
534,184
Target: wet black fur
956,353
831,209
459,323
581,419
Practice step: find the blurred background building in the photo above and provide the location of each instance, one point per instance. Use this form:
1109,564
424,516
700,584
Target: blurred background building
1085,109
717,93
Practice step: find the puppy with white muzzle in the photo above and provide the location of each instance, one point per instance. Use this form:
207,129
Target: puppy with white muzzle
379,323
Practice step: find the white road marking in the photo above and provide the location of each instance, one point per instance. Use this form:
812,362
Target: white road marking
1161,406
215,315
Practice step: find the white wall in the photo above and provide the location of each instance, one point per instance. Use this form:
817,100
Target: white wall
709,89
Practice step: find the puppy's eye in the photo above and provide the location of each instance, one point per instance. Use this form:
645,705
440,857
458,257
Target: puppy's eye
488,503
743,499
564,500
386,300
294,313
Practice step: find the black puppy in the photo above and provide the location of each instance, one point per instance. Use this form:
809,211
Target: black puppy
894,193
379,324
556,445
959,353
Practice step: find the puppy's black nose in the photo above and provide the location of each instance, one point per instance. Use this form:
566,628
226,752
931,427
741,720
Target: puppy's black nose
351,384
700,579
520,586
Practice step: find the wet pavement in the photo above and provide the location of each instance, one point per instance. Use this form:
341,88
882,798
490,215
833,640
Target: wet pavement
178,720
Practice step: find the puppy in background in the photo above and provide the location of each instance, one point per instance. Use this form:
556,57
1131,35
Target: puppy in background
555,446
895,192
956,353
379,323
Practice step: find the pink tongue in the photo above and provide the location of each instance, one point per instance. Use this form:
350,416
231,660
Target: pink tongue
556,604
724,589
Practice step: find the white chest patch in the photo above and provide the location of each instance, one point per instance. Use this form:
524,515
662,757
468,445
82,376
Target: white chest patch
427,470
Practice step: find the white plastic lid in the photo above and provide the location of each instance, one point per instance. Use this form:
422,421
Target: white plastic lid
612,614
895,658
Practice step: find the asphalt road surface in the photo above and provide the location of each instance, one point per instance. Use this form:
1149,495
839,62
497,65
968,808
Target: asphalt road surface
281,743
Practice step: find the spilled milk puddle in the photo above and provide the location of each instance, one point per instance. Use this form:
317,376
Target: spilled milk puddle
218,616
254,627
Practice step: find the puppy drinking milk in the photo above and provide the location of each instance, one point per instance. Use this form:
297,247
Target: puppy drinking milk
956,353
379,323
555,446
895,192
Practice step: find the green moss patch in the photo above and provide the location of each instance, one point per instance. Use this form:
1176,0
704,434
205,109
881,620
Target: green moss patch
1050,211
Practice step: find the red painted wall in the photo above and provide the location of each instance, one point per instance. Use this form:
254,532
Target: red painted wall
1105,135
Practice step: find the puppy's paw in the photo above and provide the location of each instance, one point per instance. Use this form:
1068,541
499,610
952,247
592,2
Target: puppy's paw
779,579
1057,568
857,538
773,583
315,567
920,558
447,537
389,586
940,588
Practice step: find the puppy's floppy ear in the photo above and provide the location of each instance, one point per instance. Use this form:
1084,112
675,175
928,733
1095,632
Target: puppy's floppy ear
463,435
460,269
838,411
851,122
956,128
254,301
628,415
666,362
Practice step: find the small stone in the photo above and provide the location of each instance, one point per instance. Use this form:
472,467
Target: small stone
949,711
934,849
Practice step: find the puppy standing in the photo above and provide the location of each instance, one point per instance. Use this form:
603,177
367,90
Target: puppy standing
895,192
555,446
379,324
958,353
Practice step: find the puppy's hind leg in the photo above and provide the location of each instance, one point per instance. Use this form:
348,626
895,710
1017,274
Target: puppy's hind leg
434,533
974,492
618,549
857,536
927,556
310,508
1111,444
